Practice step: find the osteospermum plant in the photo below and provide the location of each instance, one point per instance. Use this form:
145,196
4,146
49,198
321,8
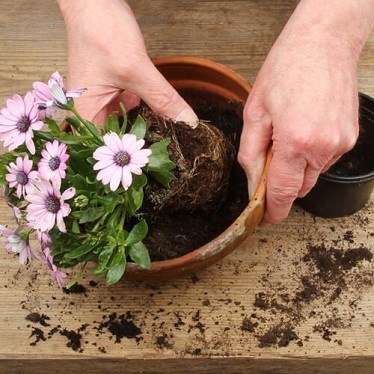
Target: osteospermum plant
78,193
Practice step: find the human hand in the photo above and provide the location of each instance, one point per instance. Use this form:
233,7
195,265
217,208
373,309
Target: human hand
305,102
107,55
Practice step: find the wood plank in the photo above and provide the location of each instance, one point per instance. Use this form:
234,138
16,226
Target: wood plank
219,318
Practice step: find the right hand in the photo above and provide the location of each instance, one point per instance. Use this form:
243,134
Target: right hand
107,55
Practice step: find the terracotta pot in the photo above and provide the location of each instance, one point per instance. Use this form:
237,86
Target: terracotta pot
211,78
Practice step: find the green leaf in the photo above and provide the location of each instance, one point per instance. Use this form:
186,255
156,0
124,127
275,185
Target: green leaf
124,115
3,172
138,181
139,254
113,124
82,185
91,214
159,159
160,165
139,128
136,200
73,139
83,153
117,268
137,233
74,122
53,126
163,177
109,202
92,128
104,258
79,251
43,135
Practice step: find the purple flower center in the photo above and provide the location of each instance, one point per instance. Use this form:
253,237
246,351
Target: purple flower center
122,158
23,124
22,178
54,163
52,204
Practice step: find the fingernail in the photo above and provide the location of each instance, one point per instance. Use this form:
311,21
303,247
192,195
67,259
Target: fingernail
188,115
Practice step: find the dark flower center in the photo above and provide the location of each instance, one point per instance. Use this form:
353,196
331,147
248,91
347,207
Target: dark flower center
122,158
22,178
54,163
23,124
52,204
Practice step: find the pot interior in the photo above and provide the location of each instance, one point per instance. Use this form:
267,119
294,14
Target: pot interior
357,165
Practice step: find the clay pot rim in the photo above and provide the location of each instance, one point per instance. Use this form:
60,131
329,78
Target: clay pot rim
347,180
206,63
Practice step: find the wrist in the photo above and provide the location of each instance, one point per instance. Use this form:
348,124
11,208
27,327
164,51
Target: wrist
347,22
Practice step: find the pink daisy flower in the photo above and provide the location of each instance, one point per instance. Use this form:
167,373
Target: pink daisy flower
57,275
118,158
52,95
43,238
20,175
42,93
47,205
53,162
17,122
16,245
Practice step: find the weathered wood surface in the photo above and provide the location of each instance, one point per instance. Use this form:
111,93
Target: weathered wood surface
193,324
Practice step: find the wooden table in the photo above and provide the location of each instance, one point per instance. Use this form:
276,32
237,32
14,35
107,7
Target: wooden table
269,307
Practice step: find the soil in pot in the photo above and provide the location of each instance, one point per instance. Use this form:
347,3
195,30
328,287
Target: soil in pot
179,225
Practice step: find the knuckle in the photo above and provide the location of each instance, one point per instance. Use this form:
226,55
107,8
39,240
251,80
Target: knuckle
282,196
243,158
351,139
165,98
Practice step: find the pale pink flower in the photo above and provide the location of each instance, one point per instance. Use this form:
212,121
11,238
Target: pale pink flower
20,175
42,93
118,158
47,205
52,95
43,238
17,213
17,122
57,275
16,245
53,162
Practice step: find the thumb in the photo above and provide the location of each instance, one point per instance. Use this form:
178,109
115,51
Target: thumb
254,143
157,92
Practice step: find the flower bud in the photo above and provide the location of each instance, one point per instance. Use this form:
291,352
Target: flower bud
81,201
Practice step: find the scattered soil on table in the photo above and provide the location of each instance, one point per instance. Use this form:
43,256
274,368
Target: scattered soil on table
121,326
74,339
280,335
38,318
75,288
331,273
38,334
175,232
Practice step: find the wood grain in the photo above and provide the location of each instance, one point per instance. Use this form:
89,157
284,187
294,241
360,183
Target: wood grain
193,324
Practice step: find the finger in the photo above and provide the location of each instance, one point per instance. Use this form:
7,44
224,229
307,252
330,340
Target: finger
329,164
254,143
93,105
311,175
161,97
128,99
285,178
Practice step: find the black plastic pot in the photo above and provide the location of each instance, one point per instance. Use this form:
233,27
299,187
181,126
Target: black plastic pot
346,187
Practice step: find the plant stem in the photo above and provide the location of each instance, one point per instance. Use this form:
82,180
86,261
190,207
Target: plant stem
84,122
